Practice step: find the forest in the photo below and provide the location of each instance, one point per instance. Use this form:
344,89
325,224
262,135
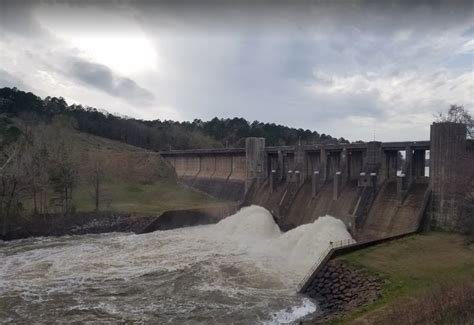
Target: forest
158,135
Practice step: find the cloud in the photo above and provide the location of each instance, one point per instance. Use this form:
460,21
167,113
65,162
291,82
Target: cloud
26,40
9,80
16,18
101,77
335,67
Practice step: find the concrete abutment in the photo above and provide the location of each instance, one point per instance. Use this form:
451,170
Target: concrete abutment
451,164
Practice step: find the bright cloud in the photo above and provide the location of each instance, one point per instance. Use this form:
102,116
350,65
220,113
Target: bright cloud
112,38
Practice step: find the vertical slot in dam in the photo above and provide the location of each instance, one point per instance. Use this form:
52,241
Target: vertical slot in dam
242,270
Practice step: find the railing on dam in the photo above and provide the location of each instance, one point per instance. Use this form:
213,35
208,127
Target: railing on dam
343,247
319,262
400,145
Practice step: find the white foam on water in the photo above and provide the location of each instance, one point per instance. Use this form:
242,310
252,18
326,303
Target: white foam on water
290,315
304,244
254,229
243,265
249,223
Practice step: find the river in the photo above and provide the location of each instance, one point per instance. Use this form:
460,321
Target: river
242,270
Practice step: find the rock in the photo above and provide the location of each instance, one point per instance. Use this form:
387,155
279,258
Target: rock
340,288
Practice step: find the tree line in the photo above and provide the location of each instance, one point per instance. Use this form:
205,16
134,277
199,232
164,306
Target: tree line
156,134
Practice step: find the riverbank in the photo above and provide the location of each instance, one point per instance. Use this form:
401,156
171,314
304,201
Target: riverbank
425,279
109,221
77,224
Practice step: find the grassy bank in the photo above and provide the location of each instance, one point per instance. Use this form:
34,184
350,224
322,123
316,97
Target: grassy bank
429,279
141,198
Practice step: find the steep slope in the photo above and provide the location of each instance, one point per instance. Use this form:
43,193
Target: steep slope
132,179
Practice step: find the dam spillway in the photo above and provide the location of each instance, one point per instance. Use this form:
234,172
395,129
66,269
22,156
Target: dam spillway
378,189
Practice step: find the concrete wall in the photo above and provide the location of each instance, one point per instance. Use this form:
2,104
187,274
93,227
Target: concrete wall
255,156
193,166
313,162
391,214
391,164
220,174
447,154
333,164
238,168
355,164
190,217
374,157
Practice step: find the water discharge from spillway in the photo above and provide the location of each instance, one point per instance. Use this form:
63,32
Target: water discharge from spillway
242,270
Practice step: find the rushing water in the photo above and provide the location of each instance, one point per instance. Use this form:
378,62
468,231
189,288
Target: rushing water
242,270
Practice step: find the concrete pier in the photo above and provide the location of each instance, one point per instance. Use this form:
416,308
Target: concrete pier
447,151
315,183
337,185
255,157
273,180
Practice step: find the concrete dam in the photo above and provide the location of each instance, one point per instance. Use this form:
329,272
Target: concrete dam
378,189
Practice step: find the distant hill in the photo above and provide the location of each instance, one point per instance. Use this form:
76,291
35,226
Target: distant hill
155,135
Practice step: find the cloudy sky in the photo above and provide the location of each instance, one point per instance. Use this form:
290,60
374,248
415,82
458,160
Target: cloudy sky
347,68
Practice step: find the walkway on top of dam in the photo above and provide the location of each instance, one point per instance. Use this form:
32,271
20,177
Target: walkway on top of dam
398,145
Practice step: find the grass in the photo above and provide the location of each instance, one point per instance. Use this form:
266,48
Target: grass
452,304
135,180
142,198
412,268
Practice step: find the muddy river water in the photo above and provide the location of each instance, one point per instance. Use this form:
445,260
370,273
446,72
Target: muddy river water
242,270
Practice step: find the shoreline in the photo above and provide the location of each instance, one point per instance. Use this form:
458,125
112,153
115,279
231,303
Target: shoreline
339,289
78,224
82,223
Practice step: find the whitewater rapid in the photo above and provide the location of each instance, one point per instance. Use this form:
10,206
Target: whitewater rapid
242,270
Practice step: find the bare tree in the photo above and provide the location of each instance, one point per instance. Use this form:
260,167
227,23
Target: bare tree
37,171
62,165
13,185
458,114
63,176
97,174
